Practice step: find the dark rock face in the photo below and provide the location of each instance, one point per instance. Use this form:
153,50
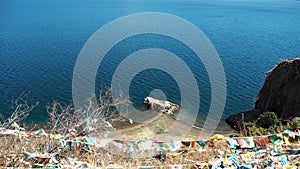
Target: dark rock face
280,94
281,90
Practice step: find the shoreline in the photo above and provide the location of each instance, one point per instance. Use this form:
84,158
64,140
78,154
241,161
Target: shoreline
159,127
165,124
155,128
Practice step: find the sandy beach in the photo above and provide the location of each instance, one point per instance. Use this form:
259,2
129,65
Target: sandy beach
165,128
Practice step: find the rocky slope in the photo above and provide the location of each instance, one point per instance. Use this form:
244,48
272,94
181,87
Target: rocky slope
161,106
280,94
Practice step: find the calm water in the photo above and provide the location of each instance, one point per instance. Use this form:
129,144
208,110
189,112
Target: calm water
40,42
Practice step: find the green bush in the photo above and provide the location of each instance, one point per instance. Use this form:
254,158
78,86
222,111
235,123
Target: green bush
267,120
266,123
295,123
235,135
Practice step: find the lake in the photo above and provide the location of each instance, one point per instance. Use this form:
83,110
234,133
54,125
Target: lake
41,40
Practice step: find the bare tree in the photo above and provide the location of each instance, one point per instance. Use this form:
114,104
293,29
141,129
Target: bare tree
65,119
22,107
61,118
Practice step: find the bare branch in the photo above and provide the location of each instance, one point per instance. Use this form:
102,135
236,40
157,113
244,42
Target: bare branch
22,107
64,119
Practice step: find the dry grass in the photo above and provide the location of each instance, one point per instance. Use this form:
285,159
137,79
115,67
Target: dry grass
15,150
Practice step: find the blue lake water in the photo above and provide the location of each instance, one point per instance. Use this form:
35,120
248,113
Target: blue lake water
40,42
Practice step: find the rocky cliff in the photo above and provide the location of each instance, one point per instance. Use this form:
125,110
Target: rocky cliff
280,94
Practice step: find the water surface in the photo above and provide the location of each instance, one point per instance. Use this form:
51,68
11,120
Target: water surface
40,42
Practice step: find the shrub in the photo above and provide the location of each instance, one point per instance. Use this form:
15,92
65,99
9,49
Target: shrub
235,135
295,123
266,123
267,120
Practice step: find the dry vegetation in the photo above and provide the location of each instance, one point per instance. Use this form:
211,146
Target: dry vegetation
32,147
39,150
65,141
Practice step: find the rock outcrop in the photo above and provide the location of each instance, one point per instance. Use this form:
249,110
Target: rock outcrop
280,94
162,106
